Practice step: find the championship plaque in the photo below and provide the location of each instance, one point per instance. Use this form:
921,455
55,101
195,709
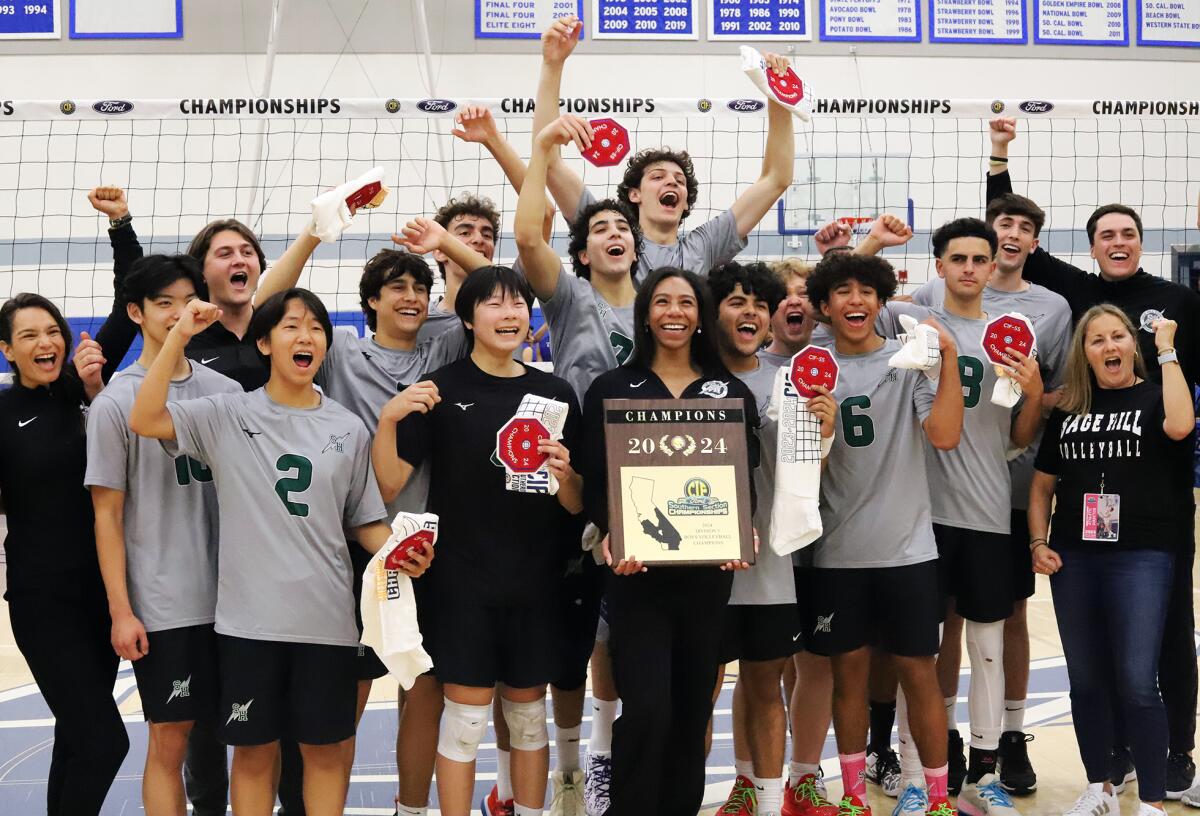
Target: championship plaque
678,481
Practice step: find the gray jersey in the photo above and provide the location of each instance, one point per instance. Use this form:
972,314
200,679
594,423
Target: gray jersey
887,322
770,580
875,507
362,376
587,336
289,482
699,250
170,512
1051,316
775,361
970,486
438,321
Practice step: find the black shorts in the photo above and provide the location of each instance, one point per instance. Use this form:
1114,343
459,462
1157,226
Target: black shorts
177,679
976,570
480,646
306,692
760,632
582,589
895,608
805,581
367,665
1022,558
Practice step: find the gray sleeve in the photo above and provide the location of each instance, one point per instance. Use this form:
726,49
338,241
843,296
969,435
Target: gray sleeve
562,299
586,199
197,428
821,336
448,347
1056,345
363,502
924,295
923,394
713,243
107,445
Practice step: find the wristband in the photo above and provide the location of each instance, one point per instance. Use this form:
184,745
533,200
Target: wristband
1038,542
998,159
842,248
117,223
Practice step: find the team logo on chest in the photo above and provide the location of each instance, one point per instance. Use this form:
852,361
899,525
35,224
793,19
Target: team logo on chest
717,389
1149,318
336,443
622,346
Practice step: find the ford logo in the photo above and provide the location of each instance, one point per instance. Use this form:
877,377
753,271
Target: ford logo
1036,106
436,105
112,106
746,105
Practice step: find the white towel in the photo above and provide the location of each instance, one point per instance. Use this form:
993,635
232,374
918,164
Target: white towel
552,414
796,512
330,211
389,610
789,91
921,350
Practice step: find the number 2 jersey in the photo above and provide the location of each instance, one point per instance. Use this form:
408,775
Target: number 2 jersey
289,481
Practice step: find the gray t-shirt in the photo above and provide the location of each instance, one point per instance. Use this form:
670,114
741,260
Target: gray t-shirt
970,486
699,250
170,511
770,580
362,376
289,482
1051,316
874,497
887,322
587,336
437,322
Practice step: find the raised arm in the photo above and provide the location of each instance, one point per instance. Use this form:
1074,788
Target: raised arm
422,235
391,471
149,416
887,231
943,426
118,332
128,634
285,273
778,166
558,42
1179,410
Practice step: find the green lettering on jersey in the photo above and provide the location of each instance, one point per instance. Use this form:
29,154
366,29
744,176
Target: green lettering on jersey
187,468
622,346
857,429
293,484
970,371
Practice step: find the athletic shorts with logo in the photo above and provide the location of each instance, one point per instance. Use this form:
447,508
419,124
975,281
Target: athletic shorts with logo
976,570
761,632
270,690
367,665
177,679
480,645
897,609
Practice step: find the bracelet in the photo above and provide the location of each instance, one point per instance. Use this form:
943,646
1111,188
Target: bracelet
1038,542
123,221
842,248
998,159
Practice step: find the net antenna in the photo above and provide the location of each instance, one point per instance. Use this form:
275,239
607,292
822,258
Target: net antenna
431,83
256,174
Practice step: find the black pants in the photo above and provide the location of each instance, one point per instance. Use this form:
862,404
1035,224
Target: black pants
666,629
1177,679
64,637
206,770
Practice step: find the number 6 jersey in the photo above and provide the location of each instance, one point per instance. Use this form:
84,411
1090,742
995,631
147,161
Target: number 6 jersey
289,480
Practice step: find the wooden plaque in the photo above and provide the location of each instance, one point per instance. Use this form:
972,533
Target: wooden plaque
678,481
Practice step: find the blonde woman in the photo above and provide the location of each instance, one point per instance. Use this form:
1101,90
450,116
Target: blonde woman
1109,461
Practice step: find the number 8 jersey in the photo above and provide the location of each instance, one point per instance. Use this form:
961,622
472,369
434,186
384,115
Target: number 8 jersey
289,481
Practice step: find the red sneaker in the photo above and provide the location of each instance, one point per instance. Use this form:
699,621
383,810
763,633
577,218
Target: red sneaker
804,799
853,806
742,801
493,805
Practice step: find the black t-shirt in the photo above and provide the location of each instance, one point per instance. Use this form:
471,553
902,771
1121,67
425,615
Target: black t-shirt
495,547
43,456
1121,443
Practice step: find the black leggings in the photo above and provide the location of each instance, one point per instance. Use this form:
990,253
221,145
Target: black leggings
64,637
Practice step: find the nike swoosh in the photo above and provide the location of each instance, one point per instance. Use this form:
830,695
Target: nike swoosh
796,636
637,385
26,422
209,360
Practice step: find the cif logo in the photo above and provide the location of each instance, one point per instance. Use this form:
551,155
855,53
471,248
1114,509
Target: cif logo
112,107
67,107
1036,106
704,105
436,105
697,488
997,106
746,105
392,105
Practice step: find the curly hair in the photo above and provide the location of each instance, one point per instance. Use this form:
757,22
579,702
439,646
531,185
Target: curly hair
581,225
839,267
467,204
756,278
636,168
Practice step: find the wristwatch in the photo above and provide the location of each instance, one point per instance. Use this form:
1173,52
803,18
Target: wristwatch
117,223
1168,356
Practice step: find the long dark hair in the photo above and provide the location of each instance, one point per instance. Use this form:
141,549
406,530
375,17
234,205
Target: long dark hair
703,349
32,300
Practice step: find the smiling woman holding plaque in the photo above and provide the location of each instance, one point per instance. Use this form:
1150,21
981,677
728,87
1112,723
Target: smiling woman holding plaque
681,500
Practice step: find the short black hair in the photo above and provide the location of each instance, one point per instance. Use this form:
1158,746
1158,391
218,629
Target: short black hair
386,266
636,168
581,226
1109,209
1013,204
151,274
963,228
32,300
467,204
838,267
269,314
756,278
703,349
481,284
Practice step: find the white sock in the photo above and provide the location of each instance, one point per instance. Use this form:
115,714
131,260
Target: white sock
604,713
770,796
796,770
525,810
566,748
405,810
504,790
1014,715
743,767
910,760
985,700
951,717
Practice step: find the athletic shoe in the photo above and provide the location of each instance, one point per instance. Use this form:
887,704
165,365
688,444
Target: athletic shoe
743,799
1149,810
595,787
884,771
1016,773
807,798
1095,802
956,762
986,798
1121,769
568,793
1191,796
1181,773
493,805
913,801
853,806
941,807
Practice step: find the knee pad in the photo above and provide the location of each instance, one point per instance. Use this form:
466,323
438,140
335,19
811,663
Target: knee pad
985,700
526,724
462,731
